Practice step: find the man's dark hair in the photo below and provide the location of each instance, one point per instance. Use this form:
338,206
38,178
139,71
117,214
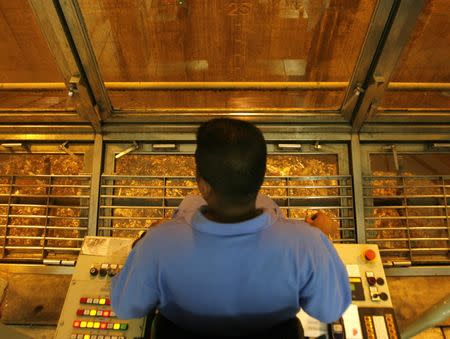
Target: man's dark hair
231,156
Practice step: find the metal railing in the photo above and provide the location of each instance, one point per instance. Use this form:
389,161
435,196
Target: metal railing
129,204
43,217
408,218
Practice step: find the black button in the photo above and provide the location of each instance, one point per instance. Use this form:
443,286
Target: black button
103,271
380,281
383,296
93,271
371,280
112,273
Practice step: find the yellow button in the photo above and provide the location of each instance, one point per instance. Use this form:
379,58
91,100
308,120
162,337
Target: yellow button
86,336
83,324
102,301
97,324
90,324
116,326
93,313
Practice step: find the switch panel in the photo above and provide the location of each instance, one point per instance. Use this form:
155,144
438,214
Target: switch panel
87,311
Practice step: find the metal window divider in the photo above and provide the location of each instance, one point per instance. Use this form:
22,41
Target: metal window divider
164,196
408,231
447,219
288,210
95,183
44,239
7,218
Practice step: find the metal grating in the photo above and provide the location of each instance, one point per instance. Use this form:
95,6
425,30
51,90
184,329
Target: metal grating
129,204
43,217
408,218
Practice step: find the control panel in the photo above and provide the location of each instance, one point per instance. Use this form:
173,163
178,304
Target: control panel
87,312
371,314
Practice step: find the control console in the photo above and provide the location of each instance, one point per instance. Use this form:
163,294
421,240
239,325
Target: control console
371,314
87,312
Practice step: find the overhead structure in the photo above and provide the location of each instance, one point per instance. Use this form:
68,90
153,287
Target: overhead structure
100,101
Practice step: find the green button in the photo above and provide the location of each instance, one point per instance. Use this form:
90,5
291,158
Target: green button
123,327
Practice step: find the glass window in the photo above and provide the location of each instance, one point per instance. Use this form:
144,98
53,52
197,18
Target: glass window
25,57
424,59
252,40
146,189
407,212
43,205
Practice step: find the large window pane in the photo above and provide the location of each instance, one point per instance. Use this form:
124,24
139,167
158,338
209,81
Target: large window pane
407,211
425,59
229,40
146,189
26,57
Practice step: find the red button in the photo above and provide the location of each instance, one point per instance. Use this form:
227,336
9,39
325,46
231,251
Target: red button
370,255
83,300
76,323
103,326
107,301
105,313
80,312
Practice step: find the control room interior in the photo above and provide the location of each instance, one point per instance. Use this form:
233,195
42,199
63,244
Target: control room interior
99,105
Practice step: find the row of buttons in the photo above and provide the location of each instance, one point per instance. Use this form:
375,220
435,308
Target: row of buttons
375,295
95,336
96,313
372,280
369,327
105,269
100,325
95,301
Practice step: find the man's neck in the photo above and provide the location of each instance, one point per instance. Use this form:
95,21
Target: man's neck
231,215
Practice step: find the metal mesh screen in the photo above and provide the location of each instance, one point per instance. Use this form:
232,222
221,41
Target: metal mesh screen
130,203
43,216
408,217
44,206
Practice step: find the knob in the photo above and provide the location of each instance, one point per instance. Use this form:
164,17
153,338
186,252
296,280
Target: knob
93,271
380,281
371,280
383,296
103,272
112,273
370,255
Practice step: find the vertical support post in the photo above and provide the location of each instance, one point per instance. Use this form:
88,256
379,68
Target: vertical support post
358,194
94,202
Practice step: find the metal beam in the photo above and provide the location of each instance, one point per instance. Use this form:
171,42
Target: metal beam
187,115
397,33
31,130
61,47
94,202
369,50
417,271
31,116
403,136
282,131
80,37
225,86
358,194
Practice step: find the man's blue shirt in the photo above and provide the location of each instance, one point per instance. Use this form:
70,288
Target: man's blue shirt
232,278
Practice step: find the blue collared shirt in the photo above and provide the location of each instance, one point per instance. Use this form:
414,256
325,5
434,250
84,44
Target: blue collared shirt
231,278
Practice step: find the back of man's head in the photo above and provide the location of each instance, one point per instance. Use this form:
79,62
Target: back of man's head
231,156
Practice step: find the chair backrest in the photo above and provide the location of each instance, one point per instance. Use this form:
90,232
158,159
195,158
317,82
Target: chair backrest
162,328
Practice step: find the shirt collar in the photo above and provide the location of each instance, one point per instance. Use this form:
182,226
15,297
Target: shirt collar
202,224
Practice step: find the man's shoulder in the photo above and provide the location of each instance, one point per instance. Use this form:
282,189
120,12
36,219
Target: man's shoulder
298,232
